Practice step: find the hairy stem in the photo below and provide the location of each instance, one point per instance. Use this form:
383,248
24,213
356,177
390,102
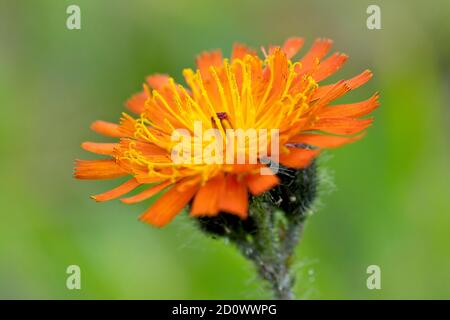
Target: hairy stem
271,248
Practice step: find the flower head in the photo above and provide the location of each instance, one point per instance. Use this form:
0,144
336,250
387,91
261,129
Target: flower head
241,93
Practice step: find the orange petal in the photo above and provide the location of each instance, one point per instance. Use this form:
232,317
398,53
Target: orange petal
143,177
107,129
127,125
298,157
240,51
209,59
145,148
335,91
146,193
98,169
352,84
158,81
360,79
329,66
345,126
99,148
234,198
137,102
292,46
258,184
168,206
324,141
318,50
117,192
352,110
206,202
245,167
279,69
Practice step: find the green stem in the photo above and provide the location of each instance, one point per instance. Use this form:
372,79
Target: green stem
271,252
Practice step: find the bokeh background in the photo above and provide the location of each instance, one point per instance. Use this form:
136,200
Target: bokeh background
390,205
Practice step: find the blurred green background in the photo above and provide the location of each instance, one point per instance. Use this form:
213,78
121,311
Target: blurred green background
391,201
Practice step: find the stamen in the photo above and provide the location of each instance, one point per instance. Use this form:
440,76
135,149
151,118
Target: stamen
222,115
264,52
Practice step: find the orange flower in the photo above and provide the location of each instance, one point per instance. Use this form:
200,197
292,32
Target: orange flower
241,93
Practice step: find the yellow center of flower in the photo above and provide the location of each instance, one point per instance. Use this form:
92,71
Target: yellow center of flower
245,94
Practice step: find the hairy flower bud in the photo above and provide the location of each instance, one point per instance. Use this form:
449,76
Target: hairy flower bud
297,190
226,225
